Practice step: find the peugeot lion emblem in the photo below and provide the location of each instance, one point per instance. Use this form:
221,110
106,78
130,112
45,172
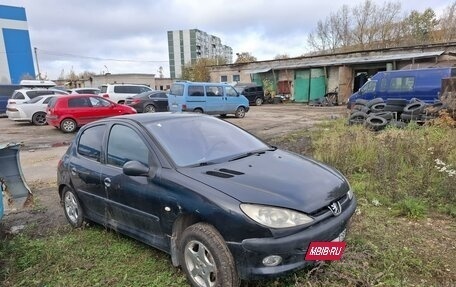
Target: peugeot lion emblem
335,208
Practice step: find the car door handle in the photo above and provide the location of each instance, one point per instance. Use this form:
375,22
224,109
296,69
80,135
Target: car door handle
74,171
107,182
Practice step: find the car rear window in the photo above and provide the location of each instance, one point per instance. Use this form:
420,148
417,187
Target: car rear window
18,96
177,90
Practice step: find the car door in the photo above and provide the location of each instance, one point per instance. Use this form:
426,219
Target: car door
160,101
101,108
232,100
134,201
85,168
215,100
80,109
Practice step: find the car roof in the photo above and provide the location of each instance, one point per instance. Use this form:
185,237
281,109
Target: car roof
145,118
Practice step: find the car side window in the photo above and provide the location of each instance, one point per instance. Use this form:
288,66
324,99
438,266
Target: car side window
214,91
230,92
99,102
78,102
47,100
121,151
90,142
196,91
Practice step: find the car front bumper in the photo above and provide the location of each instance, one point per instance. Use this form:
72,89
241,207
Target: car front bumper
250,253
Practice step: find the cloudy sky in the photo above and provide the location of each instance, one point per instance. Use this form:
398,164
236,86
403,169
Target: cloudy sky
129,36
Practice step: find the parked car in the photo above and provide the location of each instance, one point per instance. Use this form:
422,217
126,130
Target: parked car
209,98
33,111
93,91
26,94
119,92
72,111
253,92
224,204
422,84
149,102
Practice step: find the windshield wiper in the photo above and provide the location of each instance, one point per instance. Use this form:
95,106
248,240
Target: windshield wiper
247,154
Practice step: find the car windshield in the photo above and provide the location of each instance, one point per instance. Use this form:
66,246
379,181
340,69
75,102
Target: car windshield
144,94
202,140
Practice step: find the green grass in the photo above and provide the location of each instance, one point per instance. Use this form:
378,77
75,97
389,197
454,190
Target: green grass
402,233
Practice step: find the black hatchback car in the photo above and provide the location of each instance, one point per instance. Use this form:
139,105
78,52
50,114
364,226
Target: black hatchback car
222,203
253,92
149,102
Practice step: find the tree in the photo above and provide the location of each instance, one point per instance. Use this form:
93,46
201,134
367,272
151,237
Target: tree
244,57
198,71
281,56
420,26
447,24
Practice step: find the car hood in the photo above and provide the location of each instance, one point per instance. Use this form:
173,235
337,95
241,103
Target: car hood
276,178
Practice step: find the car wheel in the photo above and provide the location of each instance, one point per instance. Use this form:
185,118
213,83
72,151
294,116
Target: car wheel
205,258
149,109
68,126
258,101
72,208
240,112
39,119
198,111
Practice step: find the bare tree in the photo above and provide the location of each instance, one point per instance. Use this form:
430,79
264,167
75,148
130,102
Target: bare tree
281,56
447,24
364,24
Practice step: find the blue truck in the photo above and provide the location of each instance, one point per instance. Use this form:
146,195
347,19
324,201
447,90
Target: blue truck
6,91
423,84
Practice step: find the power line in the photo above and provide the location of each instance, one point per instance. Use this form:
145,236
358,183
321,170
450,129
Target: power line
53,53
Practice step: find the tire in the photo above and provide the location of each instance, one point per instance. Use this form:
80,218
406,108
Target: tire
149,109
39,119
198,111
240,112
361,102
375,123
415,108
357,118
205,258
68,125
72,208
258,101
386,115
378,107
374,102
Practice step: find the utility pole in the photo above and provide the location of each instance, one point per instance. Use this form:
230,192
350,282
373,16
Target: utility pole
37,65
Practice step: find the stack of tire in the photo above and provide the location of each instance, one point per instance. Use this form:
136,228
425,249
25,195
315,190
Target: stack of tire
420,111
376,114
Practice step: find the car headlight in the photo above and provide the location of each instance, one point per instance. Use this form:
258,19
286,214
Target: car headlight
350,194
275,217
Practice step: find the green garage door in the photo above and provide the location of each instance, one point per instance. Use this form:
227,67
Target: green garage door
309,85
317,83
302,86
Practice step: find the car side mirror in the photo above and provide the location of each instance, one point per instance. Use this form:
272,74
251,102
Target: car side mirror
135,168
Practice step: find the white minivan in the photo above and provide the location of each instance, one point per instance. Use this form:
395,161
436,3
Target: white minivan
119,92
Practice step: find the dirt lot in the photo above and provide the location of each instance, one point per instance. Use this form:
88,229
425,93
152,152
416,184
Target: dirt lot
43,147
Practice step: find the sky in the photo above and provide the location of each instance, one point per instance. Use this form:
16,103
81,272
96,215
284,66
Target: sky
130,36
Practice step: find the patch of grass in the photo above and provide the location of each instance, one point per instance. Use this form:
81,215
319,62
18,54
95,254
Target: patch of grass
412,208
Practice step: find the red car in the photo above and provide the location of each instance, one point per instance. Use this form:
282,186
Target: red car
72,111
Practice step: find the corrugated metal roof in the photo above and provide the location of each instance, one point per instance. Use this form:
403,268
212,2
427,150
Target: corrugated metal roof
347,60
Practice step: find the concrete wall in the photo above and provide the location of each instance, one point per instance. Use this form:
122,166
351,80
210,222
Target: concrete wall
163,84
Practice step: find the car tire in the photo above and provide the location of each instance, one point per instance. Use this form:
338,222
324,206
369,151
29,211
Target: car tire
240,112
375,123
258,101
198,111
39,119
72,208
205,257
149,109
68,125
375,101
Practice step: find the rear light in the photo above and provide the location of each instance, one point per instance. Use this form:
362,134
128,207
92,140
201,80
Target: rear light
135,101
11,102
184,107
105,95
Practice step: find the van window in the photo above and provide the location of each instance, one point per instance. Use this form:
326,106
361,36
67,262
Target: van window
196,91
402,84
383,85
130,89
369,86
214,91
230,92
177,90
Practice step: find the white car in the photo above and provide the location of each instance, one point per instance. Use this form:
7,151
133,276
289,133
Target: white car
92,91
26,94
33,111
118,93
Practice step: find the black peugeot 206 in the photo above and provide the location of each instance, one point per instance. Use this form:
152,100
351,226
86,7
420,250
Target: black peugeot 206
222,203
